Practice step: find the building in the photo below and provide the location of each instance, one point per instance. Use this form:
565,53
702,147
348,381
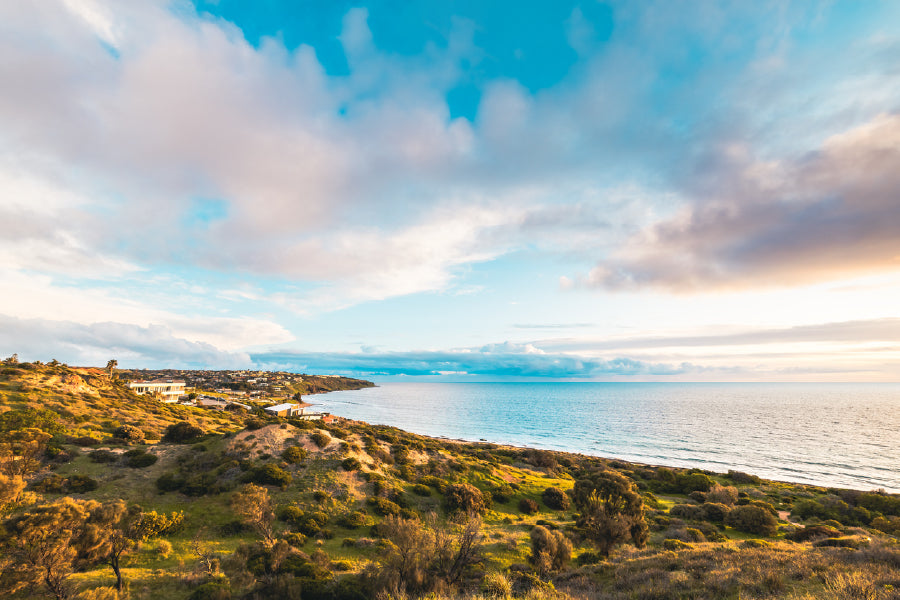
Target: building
283,410
297,411
169,390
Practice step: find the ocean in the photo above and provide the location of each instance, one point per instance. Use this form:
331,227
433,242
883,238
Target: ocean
837,435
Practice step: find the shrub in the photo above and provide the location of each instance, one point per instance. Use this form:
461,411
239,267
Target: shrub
550,550
351,464
52,484
463,497
169,482
715,512
434,482
555,498
312,523
421,490
528,506
129,433
847,541
695,535
503,493
752,519
182,433
141,460
727,495
269,475
103,456
81,484
496,586
320,438
693,481
163,549
812,532
294,455
588,558
740,477
693,512
383,506
675,545
291,514
353,519
211,590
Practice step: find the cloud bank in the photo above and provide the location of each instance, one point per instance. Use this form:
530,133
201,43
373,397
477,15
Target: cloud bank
94,344
827,215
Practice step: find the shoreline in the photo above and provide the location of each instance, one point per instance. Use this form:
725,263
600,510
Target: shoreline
488,445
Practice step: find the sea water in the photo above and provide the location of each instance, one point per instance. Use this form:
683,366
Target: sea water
841,435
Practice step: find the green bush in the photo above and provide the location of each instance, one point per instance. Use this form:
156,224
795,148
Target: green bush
320,438
693,481
675,545
351,464
740,477
463,497
503,493
433,482
182,433
269,474
293,455
312,522
383,506
81,484
141,460
555,498
528,506
715,512
103,456
169,482
421,490
291,514
129,433
52,484
588,558
212,590
353,519
693,512
752,519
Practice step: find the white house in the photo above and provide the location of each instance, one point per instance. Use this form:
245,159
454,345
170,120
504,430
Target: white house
297,411
168,389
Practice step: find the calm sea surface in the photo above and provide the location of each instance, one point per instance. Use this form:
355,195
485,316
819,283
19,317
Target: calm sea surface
844,435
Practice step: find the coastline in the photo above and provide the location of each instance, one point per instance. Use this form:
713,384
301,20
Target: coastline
741,429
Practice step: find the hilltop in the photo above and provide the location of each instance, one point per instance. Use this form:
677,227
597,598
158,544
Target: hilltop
232,505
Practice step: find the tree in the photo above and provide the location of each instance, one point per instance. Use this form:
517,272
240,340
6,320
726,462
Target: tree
424,556
21,451
114,529
41,546
253,505
612,510
550,550
111,366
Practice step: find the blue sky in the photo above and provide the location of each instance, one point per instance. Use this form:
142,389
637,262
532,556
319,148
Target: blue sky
623,191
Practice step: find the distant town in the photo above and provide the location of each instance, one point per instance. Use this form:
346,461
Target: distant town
279,392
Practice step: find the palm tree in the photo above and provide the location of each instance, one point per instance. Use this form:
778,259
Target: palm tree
111,366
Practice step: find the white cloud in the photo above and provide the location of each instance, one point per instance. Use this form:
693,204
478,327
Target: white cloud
95,343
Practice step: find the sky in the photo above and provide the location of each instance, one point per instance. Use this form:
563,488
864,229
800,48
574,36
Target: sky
454,190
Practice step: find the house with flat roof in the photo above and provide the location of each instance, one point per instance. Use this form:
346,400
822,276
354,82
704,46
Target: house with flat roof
296,410
170,390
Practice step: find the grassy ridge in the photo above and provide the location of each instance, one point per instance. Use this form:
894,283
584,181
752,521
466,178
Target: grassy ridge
352,468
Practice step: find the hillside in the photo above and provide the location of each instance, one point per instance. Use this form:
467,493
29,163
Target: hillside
247,507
